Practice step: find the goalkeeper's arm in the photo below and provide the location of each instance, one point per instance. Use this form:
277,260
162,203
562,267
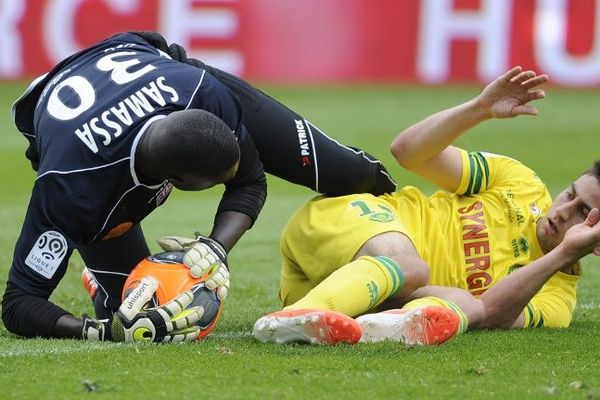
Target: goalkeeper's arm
32,316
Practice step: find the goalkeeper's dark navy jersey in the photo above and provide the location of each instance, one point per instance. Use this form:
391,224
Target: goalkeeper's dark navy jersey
84,119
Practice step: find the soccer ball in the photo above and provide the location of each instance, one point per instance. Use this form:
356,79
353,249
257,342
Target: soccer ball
173,279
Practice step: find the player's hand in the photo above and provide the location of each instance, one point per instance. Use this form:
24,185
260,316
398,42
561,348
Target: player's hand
171,322
510,94
584,238
203,256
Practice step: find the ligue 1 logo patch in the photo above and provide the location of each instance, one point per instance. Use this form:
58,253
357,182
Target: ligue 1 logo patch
47,253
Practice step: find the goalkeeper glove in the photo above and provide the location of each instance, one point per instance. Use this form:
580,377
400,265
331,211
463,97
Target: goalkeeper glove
171,322
203,256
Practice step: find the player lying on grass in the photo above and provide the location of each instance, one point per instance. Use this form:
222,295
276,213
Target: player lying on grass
112,129
489,251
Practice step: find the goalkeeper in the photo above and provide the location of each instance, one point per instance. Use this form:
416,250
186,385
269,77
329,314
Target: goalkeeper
112,129
490,251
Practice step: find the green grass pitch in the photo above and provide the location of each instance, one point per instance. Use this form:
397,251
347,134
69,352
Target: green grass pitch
560,143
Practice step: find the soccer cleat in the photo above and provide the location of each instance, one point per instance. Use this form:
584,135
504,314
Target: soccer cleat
89,282
424,325
307,326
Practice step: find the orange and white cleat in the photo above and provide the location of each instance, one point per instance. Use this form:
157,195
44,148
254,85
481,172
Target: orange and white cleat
307,326
426,325
89,282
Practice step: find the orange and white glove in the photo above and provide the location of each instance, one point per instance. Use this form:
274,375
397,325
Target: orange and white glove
203,256
172,322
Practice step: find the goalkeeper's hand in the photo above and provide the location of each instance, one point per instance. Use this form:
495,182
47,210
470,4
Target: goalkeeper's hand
203,256
171,322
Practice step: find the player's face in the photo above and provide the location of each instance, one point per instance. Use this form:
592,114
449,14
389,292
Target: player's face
570,207
192,182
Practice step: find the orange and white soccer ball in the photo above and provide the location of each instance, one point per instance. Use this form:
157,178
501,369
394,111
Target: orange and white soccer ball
173,279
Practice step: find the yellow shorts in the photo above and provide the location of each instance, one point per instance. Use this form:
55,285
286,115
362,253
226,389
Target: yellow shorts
325,234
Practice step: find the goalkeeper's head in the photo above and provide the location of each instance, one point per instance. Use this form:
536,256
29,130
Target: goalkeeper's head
193,149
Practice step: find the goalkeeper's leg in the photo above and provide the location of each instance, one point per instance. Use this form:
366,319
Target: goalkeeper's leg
296,150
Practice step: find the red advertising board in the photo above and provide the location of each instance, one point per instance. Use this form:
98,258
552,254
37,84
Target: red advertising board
428,41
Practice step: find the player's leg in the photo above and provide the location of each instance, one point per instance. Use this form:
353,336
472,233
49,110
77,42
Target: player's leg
109,263
354,251
323,315
430,315
353,260
308,326
355,288
294,283
318,326
386,266
470,306
294,149
289,146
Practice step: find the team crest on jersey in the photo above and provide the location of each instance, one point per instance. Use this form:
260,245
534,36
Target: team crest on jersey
535,210
47,253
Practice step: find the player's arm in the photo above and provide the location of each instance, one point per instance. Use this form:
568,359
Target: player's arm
26,310
28,315
239,207
242,201
505,301
426,147
40,261
31,316
244,195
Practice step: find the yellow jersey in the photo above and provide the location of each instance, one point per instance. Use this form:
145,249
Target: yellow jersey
471,239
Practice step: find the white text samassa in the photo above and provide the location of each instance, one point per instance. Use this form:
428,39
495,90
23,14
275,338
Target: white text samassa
111,123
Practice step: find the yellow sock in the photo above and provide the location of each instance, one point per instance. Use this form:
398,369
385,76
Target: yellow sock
436,301
355,288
